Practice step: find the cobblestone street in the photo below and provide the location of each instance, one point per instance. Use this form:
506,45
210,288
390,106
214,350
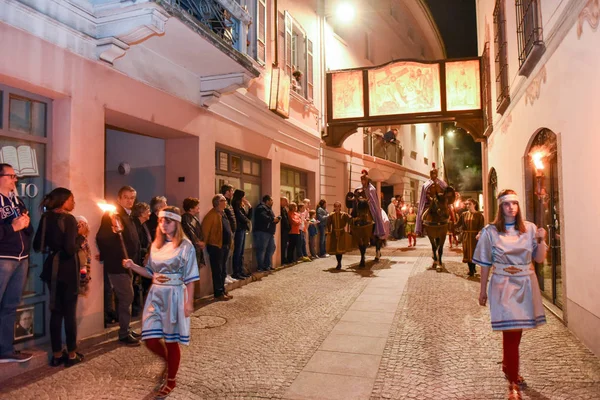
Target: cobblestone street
393,331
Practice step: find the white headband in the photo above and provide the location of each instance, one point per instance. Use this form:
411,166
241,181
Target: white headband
508,197
170,215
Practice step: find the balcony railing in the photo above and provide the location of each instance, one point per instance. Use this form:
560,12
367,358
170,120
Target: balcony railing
374,145
213,15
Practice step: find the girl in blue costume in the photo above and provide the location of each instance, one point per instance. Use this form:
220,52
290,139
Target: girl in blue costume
173,268
508,247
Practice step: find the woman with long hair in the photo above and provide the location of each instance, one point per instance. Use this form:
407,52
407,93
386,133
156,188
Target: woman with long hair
57,235
510,245
243,217
173,268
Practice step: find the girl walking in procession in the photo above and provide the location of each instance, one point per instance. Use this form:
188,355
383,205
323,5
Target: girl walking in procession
510,245
173,268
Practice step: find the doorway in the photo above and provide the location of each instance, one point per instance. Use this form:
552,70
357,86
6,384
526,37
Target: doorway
543,191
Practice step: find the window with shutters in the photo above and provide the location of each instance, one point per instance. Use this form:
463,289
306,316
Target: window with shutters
295,53
257,33
501,58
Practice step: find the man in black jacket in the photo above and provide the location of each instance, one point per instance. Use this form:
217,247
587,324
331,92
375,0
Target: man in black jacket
285,229
112,254
265,224
227,191
15,241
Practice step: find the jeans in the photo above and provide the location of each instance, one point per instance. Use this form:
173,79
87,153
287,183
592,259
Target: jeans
215,256
239,241
322,241
123,286
264,244
13,274
302,245
312,244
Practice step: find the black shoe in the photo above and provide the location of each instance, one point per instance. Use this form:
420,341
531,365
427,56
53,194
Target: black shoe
135,335
129,341
72,361
58,361
238,277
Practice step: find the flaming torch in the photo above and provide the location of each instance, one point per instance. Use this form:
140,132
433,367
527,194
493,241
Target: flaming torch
116,223
537,158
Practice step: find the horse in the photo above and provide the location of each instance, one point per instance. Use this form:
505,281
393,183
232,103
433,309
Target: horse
435,219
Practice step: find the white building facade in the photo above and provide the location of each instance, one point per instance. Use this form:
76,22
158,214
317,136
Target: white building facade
543,59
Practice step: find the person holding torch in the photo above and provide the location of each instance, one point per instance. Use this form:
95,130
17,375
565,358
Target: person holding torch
117,239
173,268
508,248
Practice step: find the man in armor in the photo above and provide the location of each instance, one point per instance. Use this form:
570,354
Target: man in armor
433,187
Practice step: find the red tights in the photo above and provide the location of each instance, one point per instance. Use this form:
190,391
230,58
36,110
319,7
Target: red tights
510,357
169,352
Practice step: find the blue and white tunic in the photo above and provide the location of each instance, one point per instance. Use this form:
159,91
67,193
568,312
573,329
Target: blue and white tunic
172,268
514,293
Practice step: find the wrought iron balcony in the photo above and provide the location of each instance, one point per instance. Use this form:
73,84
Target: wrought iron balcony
375,145
215,16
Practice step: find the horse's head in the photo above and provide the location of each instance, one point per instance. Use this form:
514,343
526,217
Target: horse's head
439,208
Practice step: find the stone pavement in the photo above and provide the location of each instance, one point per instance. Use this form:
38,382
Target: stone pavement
393,331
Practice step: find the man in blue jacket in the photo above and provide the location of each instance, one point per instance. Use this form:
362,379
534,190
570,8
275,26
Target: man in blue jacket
15,241
265,224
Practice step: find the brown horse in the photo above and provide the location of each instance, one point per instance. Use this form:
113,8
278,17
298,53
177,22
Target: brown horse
435,220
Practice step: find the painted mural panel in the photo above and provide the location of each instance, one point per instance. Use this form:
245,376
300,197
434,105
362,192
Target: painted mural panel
347,94
463,81
404,88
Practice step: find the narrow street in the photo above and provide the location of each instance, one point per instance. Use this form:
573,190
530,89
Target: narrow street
393,331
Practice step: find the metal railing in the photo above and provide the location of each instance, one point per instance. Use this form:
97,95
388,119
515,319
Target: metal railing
213,15
374,145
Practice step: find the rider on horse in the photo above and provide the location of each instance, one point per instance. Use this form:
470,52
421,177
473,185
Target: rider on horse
368,218
432,187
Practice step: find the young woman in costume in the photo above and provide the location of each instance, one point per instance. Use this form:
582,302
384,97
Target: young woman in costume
173,268
508,247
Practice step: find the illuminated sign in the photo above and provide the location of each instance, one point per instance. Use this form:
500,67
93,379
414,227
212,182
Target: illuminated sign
404,88
463,85
347,95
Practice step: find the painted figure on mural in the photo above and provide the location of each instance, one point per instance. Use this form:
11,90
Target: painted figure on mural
433,186
337,222
369,220
510,245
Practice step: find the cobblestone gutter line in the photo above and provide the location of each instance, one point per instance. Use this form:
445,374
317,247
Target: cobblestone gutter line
441,347
273,328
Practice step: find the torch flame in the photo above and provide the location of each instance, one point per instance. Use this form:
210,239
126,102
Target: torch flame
457,204
107,207
537,160
403,208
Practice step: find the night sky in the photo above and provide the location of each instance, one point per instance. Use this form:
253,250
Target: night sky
457,23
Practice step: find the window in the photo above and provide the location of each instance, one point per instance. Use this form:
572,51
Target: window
257,34
501,59
529,34
26,116
295,52
294,184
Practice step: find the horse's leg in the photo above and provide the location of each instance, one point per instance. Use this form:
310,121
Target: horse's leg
433,249
441,251
363,250
378,242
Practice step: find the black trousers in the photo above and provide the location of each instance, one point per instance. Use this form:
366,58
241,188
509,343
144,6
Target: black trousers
215,256
65,309
285,238
292,245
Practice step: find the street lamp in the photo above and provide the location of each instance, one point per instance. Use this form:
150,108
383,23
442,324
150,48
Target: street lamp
345,12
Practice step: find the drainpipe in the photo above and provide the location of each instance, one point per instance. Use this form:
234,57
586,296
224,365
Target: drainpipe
323,70
276,20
